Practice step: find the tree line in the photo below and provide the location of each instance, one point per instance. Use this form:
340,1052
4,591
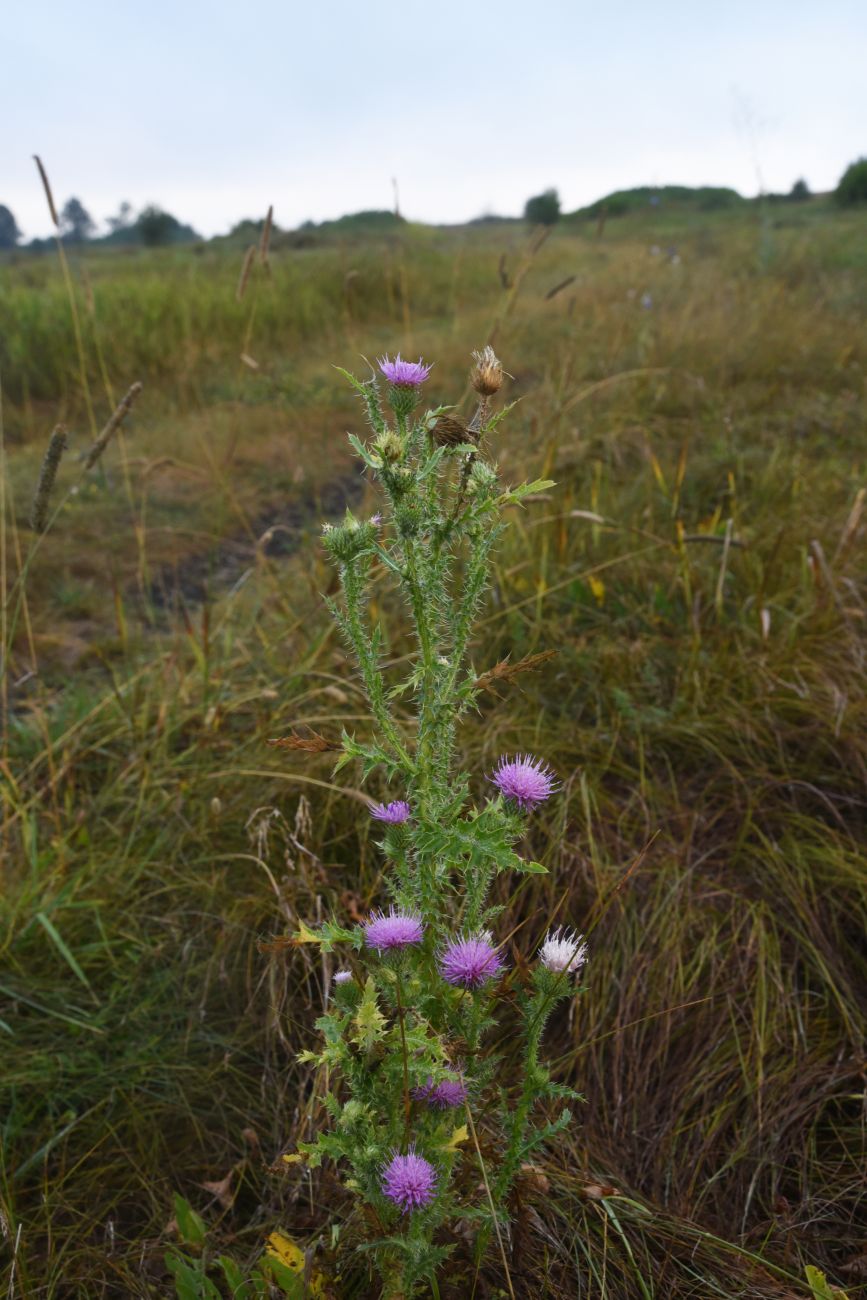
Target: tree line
152,226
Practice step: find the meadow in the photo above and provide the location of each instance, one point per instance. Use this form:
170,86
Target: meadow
694,383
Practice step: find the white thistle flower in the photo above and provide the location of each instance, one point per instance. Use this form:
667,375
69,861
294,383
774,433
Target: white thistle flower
563,951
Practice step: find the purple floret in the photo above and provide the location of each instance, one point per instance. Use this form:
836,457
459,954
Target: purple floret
404,374
394,813
470,962
393,929
449,1092
410,1181
343,977
525,779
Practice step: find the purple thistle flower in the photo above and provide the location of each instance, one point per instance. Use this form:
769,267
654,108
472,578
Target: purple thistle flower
440,1096
410,1181
343,977
470,961
563,951
525,779
394,813
404,374
393,929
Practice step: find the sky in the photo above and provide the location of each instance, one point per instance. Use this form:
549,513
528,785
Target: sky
217,110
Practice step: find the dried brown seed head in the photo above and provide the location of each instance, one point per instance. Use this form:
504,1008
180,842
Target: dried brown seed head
451,432
486,375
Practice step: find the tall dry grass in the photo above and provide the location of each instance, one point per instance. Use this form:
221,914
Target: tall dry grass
697,572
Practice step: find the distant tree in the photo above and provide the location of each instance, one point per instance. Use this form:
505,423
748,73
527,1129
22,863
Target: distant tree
155,228
76,223
543,209
853,184
799,191
9,232
123,220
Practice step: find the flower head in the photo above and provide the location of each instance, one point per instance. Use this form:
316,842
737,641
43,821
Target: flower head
410,1181
342,976
394,813
563,951
527,780
486,375
470,961
393,929
404,374
448,1092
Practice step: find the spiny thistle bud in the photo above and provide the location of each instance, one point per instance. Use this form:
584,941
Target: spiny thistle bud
486,375
482,477
349,539
390,447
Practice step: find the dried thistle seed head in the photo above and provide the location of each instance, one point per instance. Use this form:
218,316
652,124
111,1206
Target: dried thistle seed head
486,375
451,432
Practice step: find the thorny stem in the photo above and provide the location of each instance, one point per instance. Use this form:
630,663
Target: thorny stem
407,1105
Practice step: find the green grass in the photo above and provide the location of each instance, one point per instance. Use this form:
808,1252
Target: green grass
706,711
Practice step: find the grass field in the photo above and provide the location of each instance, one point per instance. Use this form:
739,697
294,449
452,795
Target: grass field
696,390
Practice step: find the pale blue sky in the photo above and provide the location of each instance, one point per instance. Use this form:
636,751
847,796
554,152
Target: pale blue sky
216,110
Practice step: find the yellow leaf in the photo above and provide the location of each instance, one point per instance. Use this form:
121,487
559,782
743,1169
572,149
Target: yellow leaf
285,1251
461,1134
597,586
306,935
657,471
294,1158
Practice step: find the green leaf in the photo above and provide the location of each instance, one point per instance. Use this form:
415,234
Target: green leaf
191,1282
821,1288
529,868
512,496
54,935
365,455
191,1226
238,1288
369,1021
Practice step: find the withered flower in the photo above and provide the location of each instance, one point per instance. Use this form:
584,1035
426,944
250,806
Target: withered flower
451,432
486,375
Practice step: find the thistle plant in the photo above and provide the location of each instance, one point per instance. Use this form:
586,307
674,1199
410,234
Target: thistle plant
411,1055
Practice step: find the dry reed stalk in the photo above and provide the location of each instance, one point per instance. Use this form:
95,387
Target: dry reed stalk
46,185
507,672
70,291
558,288
312,744
57,445
245,272
265,241
115,421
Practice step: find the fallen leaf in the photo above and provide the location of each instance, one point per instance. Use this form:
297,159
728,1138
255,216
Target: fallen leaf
288,1253
222,1190
599,1191
535,1178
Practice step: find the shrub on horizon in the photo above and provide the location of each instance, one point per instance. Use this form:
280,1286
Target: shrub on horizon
543,209
852,188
